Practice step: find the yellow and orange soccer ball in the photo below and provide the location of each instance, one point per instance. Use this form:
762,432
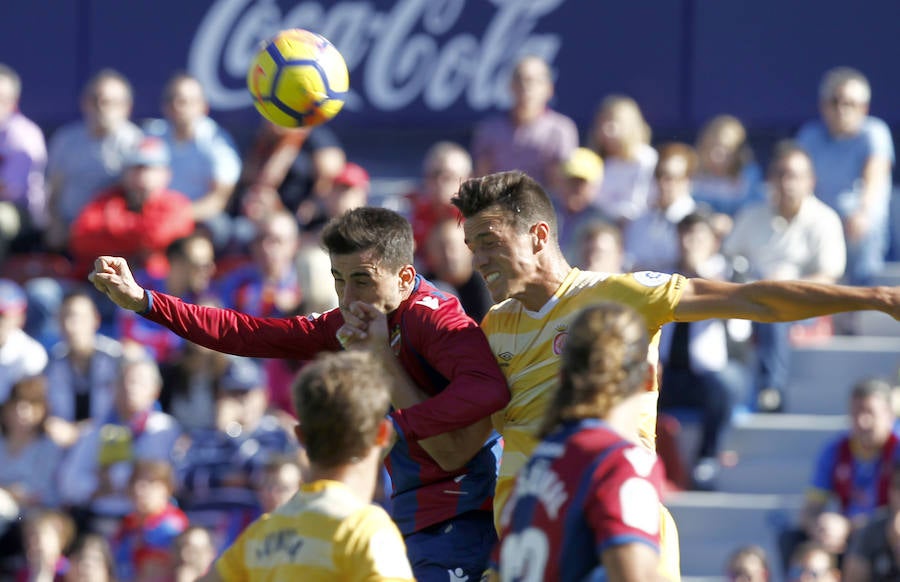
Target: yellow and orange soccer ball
298,79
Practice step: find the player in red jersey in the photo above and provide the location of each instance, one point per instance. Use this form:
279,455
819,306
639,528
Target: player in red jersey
586,505
446,382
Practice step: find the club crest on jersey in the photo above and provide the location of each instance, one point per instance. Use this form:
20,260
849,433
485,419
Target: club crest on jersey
651,278
395,340
559,342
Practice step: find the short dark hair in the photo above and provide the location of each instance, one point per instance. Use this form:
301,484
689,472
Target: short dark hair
102,76
677,149
693,219
786,148
367,228
515,192
340,400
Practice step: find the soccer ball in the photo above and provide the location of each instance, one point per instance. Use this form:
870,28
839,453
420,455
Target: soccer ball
298,79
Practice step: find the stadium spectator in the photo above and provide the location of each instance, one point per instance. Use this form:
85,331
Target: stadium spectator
446,166
204,161
141,547
193,552
85,157
812,562
871,554
268,285
651,239
341,401
83,369
852,475
748,564
598,246
28,459
46,535
191,267
452,269
23,200
697,369
853,155
621,136
218,469
21,356
280,480
582,173
792,236
582,490
448,383
93,478
138,218
90,558
511,228
289,169
189,385
349,190
531,136
728,177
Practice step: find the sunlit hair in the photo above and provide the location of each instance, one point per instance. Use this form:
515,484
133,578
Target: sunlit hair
869,387
837,77
604,361
636,130
521,198
808,549
340,401
675,150
103,76
366,228
153,470
752,552
729,130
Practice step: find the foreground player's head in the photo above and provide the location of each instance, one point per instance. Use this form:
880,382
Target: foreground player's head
510,227
341,400
371,251
604,362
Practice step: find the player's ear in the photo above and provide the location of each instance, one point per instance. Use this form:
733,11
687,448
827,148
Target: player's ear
540,235
385,434
407,277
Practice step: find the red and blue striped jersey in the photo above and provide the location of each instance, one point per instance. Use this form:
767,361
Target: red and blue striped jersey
584,489
442,350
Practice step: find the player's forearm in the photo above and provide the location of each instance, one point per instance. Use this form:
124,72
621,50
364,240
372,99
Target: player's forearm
793,300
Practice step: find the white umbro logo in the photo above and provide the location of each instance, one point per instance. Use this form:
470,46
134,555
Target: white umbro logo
430,302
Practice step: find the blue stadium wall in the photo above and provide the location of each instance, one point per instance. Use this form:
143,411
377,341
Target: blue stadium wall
442,64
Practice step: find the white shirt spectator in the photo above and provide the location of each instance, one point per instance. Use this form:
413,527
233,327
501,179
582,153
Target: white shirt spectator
21,356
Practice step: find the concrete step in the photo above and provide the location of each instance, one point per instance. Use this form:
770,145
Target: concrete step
712,525
823,375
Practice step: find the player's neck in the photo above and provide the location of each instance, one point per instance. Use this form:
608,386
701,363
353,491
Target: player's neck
548,277
624,418
359,476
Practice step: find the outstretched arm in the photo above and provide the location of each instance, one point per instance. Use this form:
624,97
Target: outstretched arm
223,330
769,301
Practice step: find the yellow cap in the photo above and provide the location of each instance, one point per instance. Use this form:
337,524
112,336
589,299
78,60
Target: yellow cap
585,164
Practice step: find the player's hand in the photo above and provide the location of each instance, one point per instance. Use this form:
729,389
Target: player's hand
112,277
365,327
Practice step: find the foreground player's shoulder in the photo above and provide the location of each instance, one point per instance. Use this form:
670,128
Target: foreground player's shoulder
368,546
430,304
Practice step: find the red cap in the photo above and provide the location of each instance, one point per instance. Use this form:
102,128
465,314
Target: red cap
352,175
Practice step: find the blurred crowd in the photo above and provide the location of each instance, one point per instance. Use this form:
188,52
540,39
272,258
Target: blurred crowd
131,454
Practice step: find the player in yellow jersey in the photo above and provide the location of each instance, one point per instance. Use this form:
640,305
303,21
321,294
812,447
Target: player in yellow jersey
329,530
511,228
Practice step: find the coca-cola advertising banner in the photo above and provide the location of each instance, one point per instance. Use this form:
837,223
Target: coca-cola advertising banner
445,63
